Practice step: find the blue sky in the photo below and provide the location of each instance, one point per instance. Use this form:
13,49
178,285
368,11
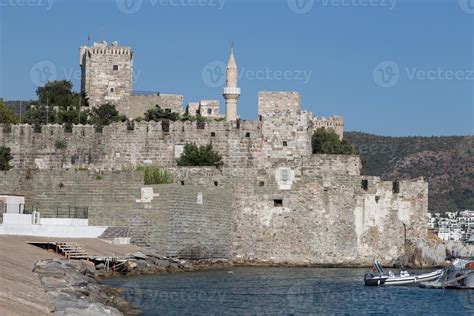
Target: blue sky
389,67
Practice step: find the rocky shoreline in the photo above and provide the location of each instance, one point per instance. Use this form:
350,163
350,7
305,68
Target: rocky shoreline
73,286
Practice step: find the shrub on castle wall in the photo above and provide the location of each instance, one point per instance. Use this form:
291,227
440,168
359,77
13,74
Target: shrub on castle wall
327,142
60,144
199,156
104,115
155,175
5,157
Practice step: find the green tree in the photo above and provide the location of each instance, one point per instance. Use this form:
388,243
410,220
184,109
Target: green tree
7,116
59,93
327,142
157,114
199,156
39,115
72,115
5,157
104,115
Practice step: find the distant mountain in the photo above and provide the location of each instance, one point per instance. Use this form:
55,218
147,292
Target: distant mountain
446,162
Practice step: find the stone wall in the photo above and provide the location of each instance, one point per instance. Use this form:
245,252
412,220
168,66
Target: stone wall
119,148
325,218
173,223
106,72
137,105
334,123
318,211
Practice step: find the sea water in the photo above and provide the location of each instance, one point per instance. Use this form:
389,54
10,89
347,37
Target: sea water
285,291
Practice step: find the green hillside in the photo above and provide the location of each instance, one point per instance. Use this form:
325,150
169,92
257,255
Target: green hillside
446,162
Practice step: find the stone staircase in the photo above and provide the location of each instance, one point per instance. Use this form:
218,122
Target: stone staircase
114,231
139,229
71,250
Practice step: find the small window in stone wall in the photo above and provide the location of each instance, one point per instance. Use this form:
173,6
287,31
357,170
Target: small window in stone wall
209,111
213,134
377,199
247,135
115,67
111,89
261,183
396,187
216,183
365,184
285,143
83,133
182,182
278,203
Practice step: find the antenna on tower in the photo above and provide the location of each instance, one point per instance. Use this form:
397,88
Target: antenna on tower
102,32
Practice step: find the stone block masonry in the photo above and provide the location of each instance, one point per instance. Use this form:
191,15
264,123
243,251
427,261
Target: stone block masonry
320,211
106,73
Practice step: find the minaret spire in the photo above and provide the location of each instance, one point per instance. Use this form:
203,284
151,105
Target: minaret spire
231,91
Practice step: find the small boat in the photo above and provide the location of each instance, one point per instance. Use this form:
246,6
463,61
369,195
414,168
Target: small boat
459,275
404,278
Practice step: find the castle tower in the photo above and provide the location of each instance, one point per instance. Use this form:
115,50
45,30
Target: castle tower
106,73
231,90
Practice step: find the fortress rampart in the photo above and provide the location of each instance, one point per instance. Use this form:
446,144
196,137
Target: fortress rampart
322,212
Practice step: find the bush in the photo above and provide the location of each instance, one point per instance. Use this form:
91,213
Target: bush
60,144
155,175
7,116
200,156
104,115
5,157
157,114
327,142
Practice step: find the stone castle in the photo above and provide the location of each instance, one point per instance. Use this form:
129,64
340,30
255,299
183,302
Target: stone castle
272,201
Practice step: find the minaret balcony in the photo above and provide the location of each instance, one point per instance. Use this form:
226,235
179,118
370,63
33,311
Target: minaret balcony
231,90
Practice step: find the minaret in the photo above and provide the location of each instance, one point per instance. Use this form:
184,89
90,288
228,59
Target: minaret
231,90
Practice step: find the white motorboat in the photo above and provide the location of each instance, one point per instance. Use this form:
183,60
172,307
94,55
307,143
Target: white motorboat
459,275
404,278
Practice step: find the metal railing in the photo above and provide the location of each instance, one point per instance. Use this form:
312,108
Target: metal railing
71,212
19,208
59,211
